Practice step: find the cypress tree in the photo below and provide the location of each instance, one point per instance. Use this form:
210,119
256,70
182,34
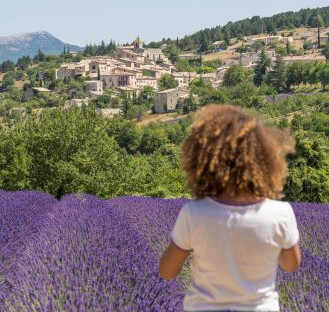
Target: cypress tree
277,77
260,70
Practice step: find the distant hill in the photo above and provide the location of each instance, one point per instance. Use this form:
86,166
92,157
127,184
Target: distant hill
251,26
14,47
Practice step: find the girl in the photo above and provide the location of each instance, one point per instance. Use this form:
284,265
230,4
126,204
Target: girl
235,230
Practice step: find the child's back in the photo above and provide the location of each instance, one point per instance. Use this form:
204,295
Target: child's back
233,158
235,252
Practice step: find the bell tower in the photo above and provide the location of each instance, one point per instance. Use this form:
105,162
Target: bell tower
138,43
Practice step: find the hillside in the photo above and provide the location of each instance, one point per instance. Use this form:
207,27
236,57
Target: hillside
251,26
15,46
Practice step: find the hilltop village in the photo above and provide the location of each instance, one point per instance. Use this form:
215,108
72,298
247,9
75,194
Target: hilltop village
137,72
131,68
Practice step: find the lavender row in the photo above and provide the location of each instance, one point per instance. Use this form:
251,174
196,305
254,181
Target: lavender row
22,217
89,258
89,254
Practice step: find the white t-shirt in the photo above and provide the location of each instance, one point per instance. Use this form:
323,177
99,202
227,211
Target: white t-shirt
235,251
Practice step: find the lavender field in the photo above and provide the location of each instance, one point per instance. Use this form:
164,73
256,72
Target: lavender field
84,254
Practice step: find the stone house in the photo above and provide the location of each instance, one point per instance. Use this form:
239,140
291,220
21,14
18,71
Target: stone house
146,81
95,87
69,71
96,66
65,72
118,79
184,78
270,40
166,101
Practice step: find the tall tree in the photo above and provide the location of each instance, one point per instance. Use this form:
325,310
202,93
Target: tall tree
278,77
261,68
317,21
204,43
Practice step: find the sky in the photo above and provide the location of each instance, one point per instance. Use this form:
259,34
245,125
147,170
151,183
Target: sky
90,21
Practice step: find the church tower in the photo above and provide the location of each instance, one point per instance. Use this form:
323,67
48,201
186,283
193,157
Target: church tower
138,43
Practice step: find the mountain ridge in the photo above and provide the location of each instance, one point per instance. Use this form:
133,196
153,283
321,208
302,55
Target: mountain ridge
28,43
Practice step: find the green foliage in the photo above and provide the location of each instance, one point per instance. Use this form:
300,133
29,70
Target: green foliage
277,77
308,45
295,73
100,49
152,140
7,66
8,80
146,97
136,112
129,137
196,65
261,68
308,169
40,57
324,75
241,49
281,50
63,152
237,74
201,40
166,82
325,51
316,20
24,62
172,52
189,105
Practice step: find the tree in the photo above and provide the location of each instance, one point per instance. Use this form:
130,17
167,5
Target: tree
288,47
324,75
24,62
126,104
204,43
227,38
146,97
189,104
40,57
136,111
129,137
308,179
325,51
153,139
260,70
277,77
173,52
236,74
7,66
295,74
8,80
317,22
166,82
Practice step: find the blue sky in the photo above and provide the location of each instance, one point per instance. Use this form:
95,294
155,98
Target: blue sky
90,21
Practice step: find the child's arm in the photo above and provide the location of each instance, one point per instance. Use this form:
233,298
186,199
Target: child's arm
172,261
289,259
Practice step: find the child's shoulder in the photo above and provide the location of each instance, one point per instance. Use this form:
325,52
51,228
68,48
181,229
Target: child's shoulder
268,206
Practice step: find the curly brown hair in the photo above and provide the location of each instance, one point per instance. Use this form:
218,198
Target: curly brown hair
232,152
